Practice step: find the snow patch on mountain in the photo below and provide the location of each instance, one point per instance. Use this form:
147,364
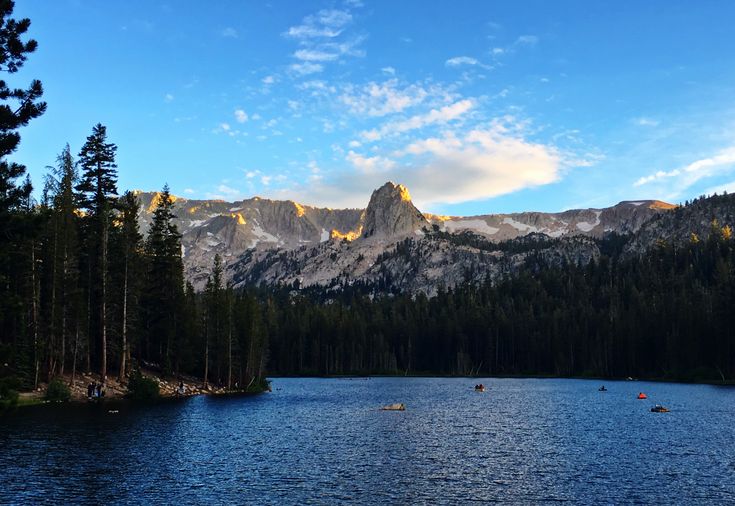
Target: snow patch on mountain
477,225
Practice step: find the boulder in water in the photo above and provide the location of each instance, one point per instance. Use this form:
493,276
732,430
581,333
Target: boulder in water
399,406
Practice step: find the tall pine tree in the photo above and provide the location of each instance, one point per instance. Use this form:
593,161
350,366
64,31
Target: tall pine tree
165,284
98,192
18,107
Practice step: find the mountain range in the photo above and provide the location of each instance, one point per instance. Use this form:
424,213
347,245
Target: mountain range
390,244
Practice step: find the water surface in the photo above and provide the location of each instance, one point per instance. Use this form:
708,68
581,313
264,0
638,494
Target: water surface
322,441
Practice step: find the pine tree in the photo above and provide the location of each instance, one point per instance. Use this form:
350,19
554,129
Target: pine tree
18,226
165,283
98,191
129,239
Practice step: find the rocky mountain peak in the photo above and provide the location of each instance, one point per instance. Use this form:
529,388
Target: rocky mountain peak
390,212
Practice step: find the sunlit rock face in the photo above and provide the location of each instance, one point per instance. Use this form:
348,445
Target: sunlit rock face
283,242
391,213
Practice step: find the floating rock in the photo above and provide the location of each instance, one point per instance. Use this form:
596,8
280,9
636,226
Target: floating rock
399,406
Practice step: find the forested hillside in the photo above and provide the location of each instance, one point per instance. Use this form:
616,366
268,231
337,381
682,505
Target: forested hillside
666,313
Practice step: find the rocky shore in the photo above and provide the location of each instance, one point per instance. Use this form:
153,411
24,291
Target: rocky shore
116,390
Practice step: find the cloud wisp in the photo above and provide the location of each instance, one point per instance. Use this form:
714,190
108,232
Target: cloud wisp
685,177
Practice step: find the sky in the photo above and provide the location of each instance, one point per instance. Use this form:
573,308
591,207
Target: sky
476,106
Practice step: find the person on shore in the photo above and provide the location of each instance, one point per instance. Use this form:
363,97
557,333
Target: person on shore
182,389
90,390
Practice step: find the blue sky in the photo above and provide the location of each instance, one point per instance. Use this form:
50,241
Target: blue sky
476,106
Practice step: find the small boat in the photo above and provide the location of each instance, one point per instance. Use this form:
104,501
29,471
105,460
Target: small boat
399,406
658,408
641,395
602,389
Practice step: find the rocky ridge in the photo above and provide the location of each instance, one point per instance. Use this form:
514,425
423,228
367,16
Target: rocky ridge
390,243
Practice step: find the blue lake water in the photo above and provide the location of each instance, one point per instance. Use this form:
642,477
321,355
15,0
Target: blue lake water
324,441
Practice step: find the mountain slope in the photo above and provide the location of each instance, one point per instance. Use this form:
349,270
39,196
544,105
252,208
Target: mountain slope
270,241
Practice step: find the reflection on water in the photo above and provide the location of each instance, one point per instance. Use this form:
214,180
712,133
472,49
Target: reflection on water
325,441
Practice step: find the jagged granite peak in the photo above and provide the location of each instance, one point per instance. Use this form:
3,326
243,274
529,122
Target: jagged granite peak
391,213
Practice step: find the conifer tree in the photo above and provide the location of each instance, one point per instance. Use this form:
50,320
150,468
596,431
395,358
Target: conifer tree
18,107
165,282
129,247
98,192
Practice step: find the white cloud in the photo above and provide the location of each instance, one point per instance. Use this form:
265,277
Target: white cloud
225,192
317,36
643,121
229,32
224,126
188,191
686,176
369,164
168,98
314,55
484,163
327,23
434,116
461,60
481,164
268,80
527,40
266,180
388,70
306,68
720,189
380,99
241,116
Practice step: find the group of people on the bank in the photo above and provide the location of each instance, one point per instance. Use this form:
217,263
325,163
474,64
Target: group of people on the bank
95,390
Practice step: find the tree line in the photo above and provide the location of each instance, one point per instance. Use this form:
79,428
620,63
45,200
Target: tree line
81,288
664,314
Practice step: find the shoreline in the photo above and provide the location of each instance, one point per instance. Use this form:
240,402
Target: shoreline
116,391
508,376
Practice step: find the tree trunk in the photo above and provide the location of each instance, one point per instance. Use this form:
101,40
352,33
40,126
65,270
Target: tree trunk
52,318
229,345
89,315
37,359
124,348
74,358
103,302
206,354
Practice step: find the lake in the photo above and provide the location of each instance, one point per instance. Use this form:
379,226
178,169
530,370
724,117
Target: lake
322,441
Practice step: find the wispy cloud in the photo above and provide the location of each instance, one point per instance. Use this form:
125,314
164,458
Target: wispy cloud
168,98
370,164
325,23
380,99
314,55
225,192
526,40
434,116
459,61
241,116
685,177
646,122
318,37
306,68
229,32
